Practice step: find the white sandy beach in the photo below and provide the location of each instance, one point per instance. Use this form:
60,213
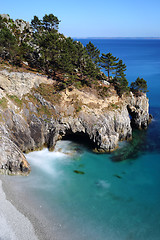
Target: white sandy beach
22,217
13,224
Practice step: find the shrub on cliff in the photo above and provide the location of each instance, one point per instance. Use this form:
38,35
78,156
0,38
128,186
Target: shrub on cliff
140,85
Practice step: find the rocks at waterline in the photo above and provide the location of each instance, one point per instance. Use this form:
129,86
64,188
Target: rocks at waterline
12,160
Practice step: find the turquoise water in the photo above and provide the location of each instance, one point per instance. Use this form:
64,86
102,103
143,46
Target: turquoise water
108,196
112,200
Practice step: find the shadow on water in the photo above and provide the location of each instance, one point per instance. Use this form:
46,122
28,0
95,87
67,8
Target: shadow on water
152,143
132,149
143,141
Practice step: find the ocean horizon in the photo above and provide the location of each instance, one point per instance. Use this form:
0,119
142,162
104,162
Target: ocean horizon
102,38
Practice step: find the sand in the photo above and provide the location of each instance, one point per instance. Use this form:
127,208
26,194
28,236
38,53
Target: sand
13,224
21,218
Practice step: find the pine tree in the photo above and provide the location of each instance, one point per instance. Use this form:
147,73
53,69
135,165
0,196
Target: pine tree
66,60
36,24
119,81
93,52
50,22
48,50
108,62
120,69
80,57
140,85
8,44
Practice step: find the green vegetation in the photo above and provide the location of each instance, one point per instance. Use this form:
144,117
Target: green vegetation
140,85
113,105
42,48
16,100
93,52
3,102
108,62
120,82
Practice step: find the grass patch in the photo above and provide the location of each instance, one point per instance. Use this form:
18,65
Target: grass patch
93,105
41,110
1,120
113,106
77,105
78,108
16,100
48,92
3,102
102,91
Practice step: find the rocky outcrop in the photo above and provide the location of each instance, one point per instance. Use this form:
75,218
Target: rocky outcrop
20,83
41,117
138,110
12,160
21,25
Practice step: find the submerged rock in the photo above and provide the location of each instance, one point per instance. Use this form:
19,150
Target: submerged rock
79,172
117,176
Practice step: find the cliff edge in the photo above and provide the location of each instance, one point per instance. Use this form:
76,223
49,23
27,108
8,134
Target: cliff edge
33,115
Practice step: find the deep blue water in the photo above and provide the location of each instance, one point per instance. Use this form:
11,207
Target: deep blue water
117,196
142,58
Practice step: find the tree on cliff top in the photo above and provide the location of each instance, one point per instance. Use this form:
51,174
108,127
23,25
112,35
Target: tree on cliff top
93,52
120,69
119,81
140,85
48,23
108,62
8,44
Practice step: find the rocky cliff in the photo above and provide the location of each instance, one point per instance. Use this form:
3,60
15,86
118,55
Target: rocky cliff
33,115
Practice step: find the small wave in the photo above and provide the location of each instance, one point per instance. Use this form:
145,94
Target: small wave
48,162
155,120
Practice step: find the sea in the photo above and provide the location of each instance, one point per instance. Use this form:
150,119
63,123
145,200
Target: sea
116,196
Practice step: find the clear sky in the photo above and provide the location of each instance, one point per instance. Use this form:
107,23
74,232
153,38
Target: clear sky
93,18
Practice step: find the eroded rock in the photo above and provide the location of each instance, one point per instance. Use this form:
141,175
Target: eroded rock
12,160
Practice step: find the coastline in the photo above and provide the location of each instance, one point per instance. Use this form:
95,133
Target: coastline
19,219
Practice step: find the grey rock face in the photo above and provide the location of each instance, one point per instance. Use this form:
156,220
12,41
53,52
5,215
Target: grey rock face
138,109
21,24
5,16
12,160
19,84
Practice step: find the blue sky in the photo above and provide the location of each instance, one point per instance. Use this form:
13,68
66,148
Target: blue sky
93,18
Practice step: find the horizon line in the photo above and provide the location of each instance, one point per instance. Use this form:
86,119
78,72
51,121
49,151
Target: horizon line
116,37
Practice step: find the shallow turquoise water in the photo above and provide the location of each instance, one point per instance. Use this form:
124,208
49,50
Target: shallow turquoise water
114,197
111,200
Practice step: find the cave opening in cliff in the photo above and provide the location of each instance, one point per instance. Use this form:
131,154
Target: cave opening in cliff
80,138
131,115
